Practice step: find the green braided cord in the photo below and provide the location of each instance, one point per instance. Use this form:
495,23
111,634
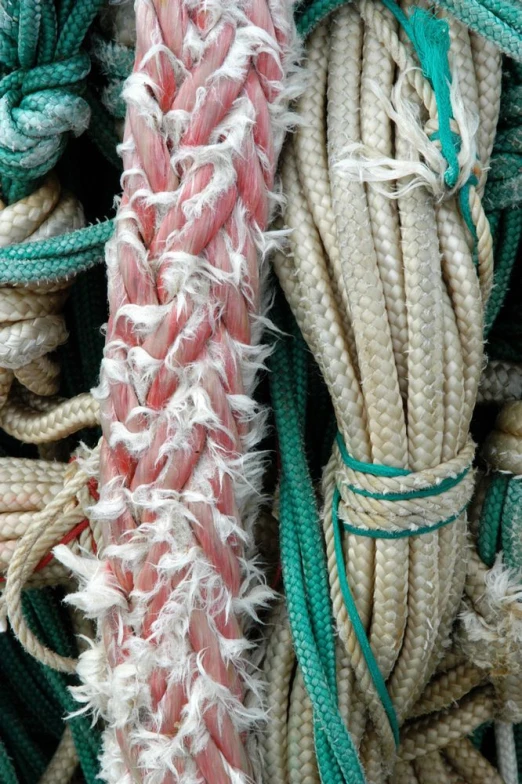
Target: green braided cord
7,771
487,23
507,239
58,257
46,620
511,530
101,130
25,675
360,633
326,649
490,518
27,756
479,16
306,582
42,71
309,525
375,469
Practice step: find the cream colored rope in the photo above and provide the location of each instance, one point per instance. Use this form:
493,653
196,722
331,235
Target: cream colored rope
64,762
387,297
57,419
31,324
45,529
500,382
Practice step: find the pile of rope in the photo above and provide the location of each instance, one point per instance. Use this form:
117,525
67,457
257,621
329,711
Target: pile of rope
389,277
383,182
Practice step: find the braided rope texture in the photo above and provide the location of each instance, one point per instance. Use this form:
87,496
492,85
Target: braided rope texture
177,587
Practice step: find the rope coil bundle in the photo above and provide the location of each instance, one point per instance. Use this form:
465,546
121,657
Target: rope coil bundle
384,288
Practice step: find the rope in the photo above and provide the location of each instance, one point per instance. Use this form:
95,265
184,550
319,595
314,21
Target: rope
362,314
191,309
496,20
41,68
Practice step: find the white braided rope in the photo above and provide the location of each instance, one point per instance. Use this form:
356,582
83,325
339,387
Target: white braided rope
364,280
31,324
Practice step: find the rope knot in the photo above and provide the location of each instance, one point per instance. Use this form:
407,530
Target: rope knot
383,502
38,108
42,71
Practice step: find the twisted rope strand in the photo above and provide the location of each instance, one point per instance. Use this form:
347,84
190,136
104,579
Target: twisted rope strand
205,121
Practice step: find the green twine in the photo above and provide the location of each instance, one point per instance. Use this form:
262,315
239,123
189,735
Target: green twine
360,633
304,562
431,40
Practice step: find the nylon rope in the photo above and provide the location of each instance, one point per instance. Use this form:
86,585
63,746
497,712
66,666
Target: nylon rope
293,276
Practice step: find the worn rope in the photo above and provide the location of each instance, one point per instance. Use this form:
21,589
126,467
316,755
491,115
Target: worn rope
206,116
361,308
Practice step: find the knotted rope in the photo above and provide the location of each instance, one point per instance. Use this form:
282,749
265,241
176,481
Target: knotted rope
42,68
206,117
384,288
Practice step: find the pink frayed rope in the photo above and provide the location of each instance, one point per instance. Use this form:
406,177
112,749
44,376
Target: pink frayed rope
177,585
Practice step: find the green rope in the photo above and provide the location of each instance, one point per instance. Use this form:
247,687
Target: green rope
56,258
491,517
304,564
41,698
497,20
42,72
360,633
7,771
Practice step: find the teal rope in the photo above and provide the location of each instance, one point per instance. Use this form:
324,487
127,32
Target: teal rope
305,575
490,518
7,771
42,71
55,258
360,633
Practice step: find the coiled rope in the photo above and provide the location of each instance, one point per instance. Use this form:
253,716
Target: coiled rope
366,284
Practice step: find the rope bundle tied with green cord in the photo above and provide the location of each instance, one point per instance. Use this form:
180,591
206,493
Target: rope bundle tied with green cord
389,272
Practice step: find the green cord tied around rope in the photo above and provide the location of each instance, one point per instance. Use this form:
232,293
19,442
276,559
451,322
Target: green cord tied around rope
406,500
42,74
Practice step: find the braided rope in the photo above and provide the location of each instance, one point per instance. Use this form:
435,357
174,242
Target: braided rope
31,326
205,121
367,289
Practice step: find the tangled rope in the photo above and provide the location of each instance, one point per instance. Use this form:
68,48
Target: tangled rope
206,117
385,222
31,324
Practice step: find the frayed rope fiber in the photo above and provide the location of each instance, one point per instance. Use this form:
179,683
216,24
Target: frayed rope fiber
177,584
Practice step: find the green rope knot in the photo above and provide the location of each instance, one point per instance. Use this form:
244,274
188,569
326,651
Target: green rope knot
42,75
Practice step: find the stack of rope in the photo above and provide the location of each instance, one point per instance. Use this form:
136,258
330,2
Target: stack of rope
384,288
